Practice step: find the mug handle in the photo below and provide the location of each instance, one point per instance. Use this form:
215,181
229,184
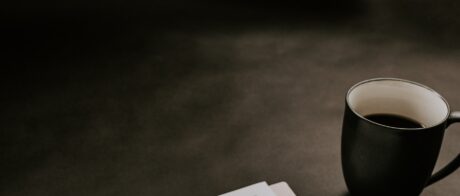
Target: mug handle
454,164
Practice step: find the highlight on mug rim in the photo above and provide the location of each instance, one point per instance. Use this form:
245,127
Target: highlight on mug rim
398,97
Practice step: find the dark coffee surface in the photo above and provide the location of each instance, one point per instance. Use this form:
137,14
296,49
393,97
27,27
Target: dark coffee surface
393,120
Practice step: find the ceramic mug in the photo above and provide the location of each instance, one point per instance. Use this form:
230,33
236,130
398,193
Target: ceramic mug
381,158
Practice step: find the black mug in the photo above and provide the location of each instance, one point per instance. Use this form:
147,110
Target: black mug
391,137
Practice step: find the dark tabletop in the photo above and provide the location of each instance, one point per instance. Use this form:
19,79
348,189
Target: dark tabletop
110,105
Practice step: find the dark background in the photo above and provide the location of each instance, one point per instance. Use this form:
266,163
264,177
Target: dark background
201,97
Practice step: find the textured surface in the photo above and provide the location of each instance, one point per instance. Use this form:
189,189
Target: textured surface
203,112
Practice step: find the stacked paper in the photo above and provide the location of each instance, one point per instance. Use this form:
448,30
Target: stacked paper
262,189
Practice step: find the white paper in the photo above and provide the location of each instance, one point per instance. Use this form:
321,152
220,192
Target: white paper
259,189
282,189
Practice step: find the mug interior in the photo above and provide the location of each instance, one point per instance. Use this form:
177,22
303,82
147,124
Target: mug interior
398,97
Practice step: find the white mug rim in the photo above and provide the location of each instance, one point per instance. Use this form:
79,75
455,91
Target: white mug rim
397,80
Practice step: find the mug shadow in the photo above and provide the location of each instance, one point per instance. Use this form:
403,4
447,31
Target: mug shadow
345,193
